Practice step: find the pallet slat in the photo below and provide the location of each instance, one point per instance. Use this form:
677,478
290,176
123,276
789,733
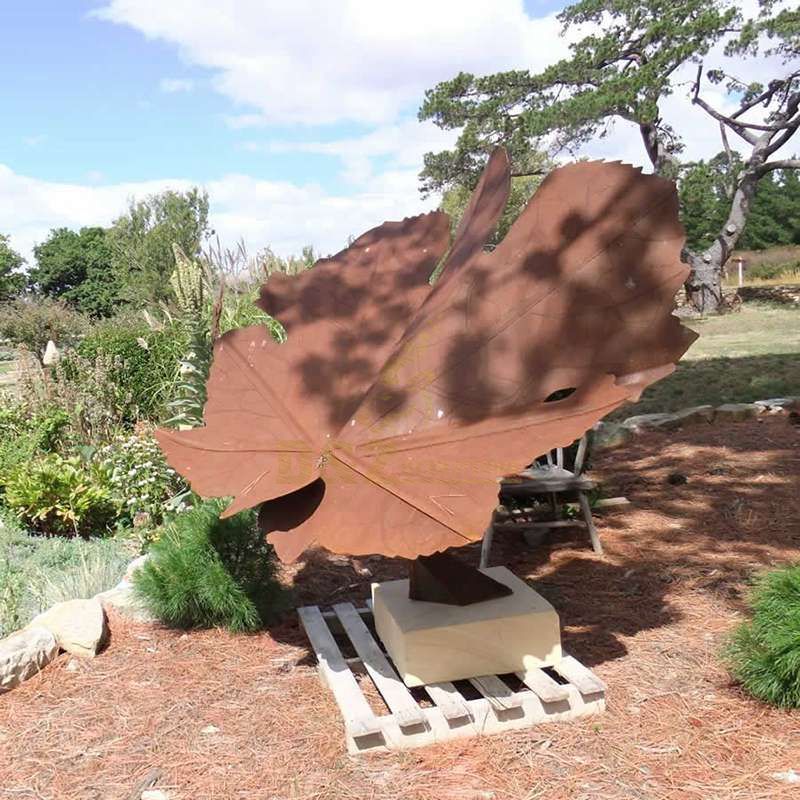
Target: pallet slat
448,699
393,690
453,716
358,717
500,697
545,688
584,680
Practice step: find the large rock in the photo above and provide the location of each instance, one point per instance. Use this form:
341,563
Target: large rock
79,626
606,435
734,412
135,565
650,422
779,405
122,599
23,654
695,414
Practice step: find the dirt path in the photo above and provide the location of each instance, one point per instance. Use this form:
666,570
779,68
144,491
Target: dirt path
649,617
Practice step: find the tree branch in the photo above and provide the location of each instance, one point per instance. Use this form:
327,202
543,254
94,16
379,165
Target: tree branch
735,126
730,186
791,122
786,163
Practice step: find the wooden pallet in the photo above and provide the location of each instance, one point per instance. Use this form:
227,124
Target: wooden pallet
483,705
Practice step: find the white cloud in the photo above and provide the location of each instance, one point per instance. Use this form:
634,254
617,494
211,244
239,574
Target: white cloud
280,214
311,63
399,146
319,62
174,85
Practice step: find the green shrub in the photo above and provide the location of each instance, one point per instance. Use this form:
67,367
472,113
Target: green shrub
139,478
25,432
769,272
96,400
146,361
210,572
59,496
38,571
763,654
32,322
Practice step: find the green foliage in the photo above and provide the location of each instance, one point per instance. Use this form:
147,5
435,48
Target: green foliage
24,432
622,69
455,199
138,477
763,653
38,571
775,215
771,272
191,283
705,200
205,571
59,496
269,263
77,268
706,192
91,391
146,361
239,309
142,239
32,322
12,281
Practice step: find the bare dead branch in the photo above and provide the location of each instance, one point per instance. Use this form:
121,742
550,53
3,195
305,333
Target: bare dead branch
786,163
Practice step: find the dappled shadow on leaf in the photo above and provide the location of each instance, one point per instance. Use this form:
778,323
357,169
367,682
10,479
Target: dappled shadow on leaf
674,547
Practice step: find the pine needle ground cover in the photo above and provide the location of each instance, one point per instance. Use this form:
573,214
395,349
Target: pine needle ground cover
764,652
209,572
230,716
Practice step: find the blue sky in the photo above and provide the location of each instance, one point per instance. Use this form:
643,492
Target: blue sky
89,105
299,118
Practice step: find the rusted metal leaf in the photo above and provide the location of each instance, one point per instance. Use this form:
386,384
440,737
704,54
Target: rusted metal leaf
383,423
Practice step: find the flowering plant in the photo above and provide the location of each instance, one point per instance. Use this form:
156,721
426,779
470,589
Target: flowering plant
139,479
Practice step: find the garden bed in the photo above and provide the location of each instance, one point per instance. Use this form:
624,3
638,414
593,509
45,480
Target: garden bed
229,716
38,571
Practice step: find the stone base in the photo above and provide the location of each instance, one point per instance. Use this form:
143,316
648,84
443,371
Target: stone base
433,642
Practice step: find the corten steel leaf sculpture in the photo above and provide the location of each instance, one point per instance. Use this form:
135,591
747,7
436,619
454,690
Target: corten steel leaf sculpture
384,421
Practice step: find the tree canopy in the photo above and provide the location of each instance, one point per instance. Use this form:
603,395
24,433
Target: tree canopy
76,267
96,270
623,67
705,190
141,241
12,280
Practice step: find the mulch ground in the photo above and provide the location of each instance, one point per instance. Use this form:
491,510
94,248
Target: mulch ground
225,716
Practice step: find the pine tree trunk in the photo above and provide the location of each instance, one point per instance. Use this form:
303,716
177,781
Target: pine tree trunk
704,285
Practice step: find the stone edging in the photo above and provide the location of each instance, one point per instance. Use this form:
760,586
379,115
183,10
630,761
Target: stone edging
76,626
606,435
25,652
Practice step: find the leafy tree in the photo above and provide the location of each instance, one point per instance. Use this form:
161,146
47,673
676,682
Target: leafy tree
624,70
32,322
77,268
12,281
706,190
142,239
775,216
702,204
